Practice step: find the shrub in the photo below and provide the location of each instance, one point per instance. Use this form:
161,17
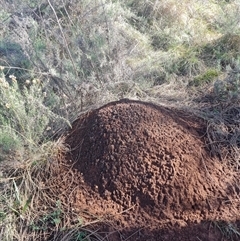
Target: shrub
23,112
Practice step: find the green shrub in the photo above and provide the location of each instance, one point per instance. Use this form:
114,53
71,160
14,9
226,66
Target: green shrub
23,112
9,141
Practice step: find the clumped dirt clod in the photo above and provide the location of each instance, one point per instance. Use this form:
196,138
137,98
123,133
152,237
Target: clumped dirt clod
149,167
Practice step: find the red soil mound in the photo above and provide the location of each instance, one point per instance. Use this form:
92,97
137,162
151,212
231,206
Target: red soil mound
150,161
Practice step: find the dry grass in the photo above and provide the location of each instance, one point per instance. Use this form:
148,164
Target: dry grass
30,205
36,200
89,53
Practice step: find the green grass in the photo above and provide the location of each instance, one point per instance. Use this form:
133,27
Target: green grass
209,76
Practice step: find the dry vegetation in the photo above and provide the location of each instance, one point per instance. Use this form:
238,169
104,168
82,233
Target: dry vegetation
61,58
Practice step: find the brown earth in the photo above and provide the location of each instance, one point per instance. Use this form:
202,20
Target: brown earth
146,172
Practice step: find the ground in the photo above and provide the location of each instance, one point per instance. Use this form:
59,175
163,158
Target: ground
147,173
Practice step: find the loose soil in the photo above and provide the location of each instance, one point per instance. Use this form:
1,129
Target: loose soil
147,173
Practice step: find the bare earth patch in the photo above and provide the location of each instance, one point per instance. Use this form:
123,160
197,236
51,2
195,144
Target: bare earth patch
146,172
